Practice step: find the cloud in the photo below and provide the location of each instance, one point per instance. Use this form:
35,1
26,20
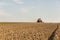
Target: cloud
2,4
18,1
3,13
33,7
24,10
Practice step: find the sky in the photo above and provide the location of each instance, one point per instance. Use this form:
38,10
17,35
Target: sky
29,10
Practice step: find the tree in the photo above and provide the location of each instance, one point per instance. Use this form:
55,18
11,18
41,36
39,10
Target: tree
39,20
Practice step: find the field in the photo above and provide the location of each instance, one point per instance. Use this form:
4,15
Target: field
29,31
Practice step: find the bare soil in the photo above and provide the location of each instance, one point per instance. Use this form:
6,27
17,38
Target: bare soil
29,31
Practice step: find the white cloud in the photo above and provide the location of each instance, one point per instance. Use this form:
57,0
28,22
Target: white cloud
2,4
33,7
18,1
3,13
24,10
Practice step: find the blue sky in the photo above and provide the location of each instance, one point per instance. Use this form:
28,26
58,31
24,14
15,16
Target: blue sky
29,10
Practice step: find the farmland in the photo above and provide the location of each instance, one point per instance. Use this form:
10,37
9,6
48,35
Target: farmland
29,31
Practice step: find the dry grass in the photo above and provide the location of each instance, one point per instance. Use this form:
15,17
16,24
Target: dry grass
27,31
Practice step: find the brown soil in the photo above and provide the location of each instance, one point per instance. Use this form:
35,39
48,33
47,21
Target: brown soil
29,31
